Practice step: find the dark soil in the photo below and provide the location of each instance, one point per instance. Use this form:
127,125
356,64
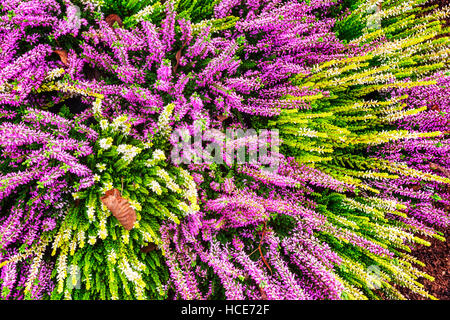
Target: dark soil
437,264
436,256
440,4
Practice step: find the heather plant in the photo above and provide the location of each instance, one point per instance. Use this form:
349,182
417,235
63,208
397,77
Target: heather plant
111,257
303,139
41,166
263,235
428,202
356,107
125,220
124,7
351,101
139,71
69,216
38,39
206,75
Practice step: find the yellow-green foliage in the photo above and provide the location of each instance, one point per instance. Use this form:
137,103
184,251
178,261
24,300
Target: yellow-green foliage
113,265
354,110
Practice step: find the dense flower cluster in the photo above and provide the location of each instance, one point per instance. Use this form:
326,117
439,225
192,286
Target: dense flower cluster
96,95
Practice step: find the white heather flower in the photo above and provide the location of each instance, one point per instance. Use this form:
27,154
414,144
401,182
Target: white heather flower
122,148
92,240
139,265
143,13
107,186
163,174
54,73
96,178
90,213
101,167
126,128
135,205
67,234
73,246
121,124
81,236
149,163
173,186
74,274
104,124
97,106
131,275
128,151
126,237
156,188
106,143
112,256
148,145
102,233
164,119
158,155
61,270
147,236
185,174
183,207
105,209
307,132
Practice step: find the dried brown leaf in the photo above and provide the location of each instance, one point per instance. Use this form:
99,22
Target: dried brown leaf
120,208
222,118
112,18
435,108
63,55
436,167
178,57
263,293
149,248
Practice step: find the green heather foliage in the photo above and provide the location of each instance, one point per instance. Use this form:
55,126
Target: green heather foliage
110,258
336,79
350,107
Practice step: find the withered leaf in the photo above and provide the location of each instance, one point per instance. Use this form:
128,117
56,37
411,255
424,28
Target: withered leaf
63,56
120,208
149,248
435,108
222,118
436,167
178,57
263,293
112,18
